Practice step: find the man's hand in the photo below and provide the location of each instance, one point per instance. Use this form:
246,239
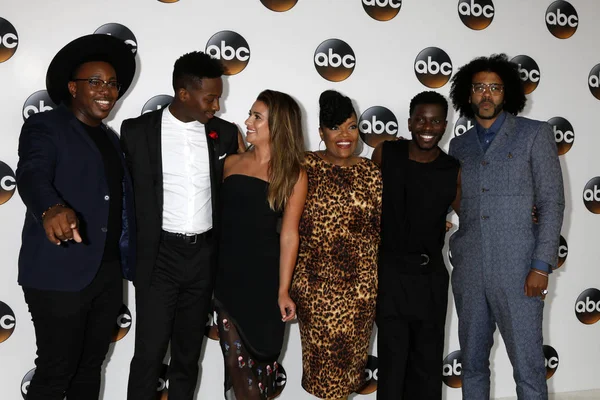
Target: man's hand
61,224
536,284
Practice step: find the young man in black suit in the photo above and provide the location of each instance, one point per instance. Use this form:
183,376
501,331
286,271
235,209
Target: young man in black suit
176,156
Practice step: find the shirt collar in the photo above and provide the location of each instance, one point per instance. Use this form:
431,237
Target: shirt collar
495,126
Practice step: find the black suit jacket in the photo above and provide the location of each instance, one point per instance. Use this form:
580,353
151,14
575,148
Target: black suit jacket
59,163
141,142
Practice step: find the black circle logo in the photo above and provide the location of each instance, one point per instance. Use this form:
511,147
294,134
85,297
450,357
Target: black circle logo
371,372
382,10
211,330
528,71
563,252
7,322
157,103
562,19
168,1
462,125
476,14
452,370
591,195
122,32
377,124
162,386
564,134
551,357
231,48
433,67
587,306
594,81
8,183
26,381
280,380
122,325
38,102
334,60
279,5
9,40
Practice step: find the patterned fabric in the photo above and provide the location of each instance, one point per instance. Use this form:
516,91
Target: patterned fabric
335,281
492,250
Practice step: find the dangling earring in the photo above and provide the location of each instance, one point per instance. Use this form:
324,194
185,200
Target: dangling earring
320,146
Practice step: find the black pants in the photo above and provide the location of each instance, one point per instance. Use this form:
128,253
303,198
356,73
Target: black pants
73,331
174,308
411,315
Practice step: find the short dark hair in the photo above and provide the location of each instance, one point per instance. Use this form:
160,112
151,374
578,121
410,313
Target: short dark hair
335,108
193,67
428,97
514,95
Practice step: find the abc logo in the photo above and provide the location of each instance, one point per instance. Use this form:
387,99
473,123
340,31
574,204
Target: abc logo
162,386
433,67
7,322
563,252
591,195
157,103
587,307
9,40
334,60
211,330
377,124
25,382
476,14
551,363
8,183
123,324
452,370
231,48
279,5
280,381
462,125
382,10
528,71
594,81
122,32
562,19
38,102
371,371
563,133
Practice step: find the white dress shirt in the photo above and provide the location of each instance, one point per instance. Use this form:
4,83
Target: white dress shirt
187,205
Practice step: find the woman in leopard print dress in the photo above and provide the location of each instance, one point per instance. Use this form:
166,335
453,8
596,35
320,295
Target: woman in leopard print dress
335,281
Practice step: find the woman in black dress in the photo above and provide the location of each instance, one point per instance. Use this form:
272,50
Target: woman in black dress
261,187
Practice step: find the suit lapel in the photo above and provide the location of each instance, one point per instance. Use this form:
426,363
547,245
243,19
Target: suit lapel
503,135
155,153
213,158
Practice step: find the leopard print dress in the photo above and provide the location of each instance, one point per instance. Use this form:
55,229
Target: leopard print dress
335,280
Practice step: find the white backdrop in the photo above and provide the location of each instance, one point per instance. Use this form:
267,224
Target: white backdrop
282,48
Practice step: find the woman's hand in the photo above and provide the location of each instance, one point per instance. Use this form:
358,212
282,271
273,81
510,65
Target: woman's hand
287,307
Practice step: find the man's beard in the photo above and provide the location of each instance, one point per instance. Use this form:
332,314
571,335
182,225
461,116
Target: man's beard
497,110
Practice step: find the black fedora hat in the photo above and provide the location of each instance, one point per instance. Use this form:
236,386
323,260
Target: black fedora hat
95,47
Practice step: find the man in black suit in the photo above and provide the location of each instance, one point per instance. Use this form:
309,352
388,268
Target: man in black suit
79,227
176,157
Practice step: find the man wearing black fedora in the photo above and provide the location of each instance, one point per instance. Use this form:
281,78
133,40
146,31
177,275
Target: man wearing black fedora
78,238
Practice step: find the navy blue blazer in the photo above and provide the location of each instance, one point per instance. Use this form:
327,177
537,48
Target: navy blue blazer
60,164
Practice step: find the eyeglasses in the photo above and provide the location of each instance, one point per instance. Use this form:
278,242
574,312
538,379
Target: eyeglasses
97,84
494,88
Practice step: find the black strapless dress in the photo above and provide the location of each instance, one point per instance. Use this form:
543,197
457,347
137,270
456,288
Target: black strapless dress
249,322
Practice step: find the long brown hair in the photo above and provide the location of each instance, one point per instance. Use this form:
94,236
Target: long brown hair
287,145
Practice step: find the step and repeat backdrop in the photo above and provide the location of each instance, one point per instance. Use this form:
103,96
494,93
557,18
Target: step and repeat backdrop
380,53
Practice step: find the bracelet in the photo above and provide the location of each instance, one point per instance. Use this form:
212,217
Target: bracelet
540,273
51,207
